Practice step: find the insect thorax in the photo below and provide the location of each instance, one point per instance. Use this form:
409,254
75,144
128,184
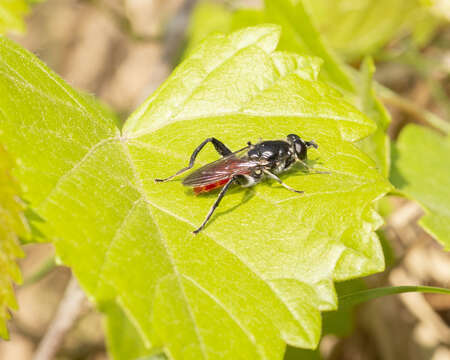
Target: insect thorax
275,156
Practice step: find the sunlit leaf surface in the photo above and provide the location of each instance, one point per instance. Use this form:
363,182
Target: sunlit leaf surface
259,274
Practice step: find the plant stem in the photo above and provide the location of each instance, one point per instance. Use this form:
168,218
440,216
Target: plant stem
355,298
68,312
424,116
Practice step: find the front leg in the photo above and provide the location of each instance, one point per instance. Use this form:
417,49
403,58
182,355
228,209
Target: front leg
218,145
277,179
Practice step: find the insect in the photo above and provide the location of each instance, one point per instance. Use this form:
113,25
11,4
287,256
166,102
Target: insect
246,167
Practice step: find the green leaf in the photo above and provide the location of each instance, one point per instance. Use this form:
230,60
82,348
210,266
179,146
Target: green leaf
354,292
154,357
377,145
427,23
422,172
298,32
122,338
207,18
301,36
356,28
340,322
12,225
301,354
358,297
262,270
247,17
35,234
12,13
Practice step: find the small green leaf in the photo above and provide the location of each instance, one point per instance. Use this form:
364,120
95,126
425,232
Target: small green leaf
421,170
259,274
12,13
12,225
377,145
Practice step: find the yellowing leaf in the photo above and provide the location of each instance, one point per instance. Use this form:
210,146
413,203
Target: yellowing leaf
12,225
259,274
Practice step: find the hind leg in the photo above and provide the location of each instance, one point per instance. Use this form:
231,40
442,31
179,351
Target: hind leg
218,145
216,203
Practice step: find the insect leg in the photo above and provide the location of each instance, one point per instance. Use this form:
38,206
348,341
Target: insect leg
277,179
310,168
218,145
216,203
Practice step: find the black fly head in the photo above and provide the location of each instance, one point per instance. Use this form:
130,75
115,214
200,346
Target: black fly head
300,147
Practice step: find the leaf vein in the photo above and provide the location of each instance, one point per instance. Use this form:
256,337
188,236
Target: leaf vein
113,239
147,131
211,72
37,63
74,168
229,313
141,190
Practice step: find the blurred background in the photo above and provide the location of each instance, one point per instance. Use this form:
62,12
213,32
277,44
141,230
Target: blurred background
122,50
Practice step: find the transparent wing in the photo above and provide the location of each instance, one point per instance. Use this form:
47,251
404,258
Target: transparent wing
234,164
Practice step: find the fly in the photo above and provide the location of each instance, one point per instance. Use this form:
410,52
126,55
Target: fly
246,167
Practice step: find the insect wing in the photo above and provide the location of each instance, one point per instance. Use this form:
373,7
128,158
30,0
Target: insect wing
234,164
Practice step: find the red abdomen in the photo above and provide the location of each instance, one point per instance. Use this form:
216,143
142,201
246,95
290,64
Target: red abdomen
209,187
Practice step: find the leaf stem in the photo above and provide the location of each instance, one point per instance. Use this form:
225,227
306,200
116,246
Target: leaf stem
424,116
358,297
